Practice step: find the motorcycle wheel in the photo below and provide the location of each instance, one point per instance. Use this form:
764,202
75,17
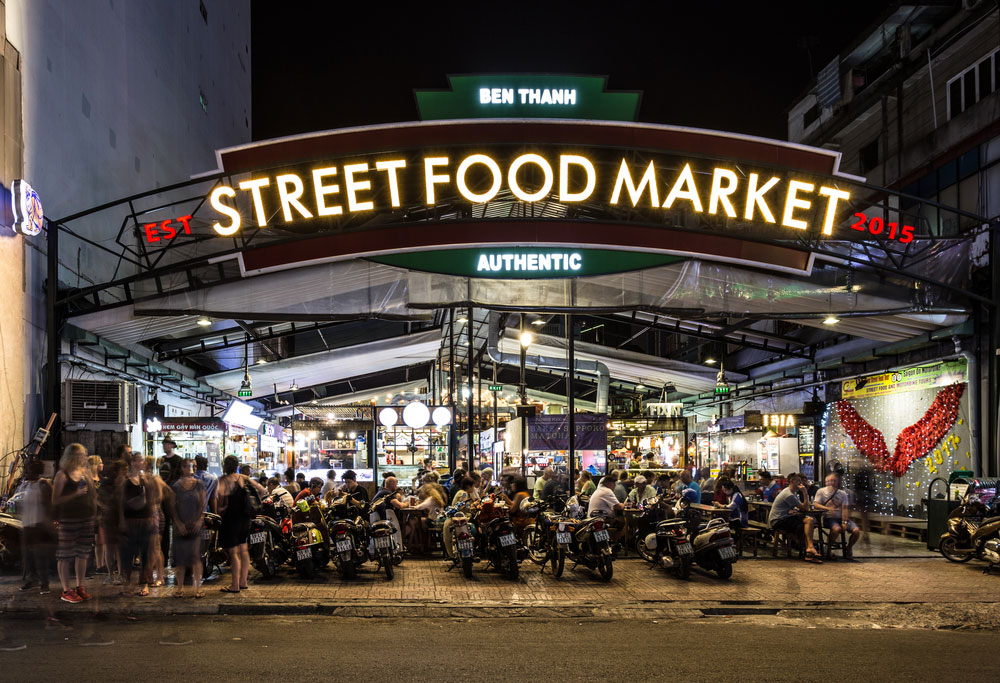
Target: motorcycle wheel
467,567
558,560
644,552
684,570
512,569
948,550
535,545
306,569
724,570
349,571
266,565
606,568
390,570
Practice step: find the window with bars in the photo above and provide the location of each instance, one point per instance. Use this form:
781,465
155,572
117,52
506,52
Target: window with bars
973,84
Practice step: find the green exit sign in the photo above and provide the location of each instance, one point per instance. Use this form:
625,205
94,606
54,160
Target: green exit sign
721,389
245,393
496,387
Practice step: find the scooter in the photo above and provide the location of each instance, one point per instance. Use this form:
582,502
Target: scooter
310,543
714,548
497,541
212,556
668,547
460,543
268,547
973,532
348,533
591,546
383,547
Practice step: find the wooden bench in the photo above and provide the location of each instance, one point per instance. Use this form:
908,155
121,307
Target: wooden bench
751,536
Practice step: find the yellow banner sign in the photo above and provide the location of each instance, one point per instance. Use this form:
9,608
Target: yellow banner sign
910,379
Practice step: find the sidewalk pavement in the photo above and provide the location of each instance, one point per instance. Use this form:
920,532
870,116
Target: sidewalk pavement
424,587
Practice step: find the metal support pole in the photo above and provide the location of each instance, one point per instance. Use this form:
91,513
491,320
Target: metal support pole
453,428
471,450
571,401
522,391
496,427
53,325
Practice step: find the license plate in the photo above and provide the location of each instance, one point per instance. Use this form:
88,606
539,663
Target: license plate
344,546
563,537
383,541
685,549
727,552
465,548
257,538
507,539
304,554
601,535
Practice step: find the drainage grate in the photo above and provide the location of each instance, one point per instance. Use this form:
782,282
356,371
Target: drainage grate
732,611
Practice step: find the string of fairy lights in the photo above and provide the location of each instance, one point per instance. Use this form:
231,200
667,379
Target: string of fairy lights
891,414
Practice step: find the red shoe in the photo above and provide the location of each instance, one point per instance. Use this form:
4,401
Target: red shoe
82,593
71,596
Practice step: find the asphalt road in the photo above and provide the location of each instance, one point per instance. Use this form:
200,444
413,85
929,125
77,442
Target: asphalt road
334,648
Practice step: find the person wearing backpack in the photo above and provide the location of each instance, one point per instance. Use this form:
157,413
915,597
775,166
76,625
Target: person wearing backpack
238,500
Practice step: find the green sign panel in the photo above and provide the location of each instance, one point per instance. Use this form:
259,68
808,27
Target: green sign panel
528,96
526,262
496,387
722,390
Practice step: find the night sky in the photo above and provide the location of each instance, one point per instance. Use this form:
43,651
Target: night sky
719,65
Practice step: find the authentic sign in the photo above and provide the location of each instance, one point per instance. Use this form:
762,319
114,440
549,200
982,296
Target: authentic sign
379,183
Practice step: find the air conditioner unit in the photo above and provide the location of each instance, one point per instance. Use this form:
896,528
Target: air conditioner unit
95,405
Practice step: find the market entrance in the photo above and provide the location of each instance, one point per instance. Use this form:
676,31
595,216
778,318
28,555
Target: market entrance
644,296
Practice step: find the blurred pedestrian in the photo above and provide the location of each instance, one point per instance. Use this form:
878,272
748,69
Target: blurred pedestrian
37,532
188,515
74,500
136,500
96,465
162,495
231,495
208,480
109,528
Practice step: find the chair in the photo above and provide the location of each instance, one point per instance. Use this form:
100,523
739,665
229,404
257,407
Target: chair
830,543
748,537
788,540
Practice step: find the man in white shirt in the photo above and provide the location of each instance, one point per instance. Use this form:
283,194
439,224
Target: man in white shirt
280,493
835,499
603,501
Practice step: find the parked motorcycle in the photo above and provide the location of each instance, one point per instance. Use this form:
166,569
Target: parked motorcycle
348,534
212,555
310,538
460,542
668,546
383,547
269,544
973,532
10,534
714,548
591,545
497,540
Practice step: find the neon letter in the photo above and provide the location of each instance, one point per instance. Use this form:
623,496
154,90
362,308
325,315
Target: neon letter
258,203
464,190
322,190
831,206
353,186
792,203
184,220
512,177
564,162
215,199
755,197
391,167
290,199
430,178
634,193
686,178
721,194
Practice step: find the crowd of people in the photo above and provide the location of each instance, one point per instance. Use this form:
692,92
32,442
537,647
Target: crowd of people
128,517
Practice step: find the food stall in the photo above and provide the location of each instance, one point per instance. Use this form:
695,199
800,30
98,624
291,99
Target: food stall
205,436
408,434
663,436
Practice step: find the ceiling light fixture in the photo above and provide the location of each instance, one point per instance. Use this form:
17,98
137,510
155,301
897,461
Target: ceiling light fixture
831,320
538,322
204,321
526,339
710,361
